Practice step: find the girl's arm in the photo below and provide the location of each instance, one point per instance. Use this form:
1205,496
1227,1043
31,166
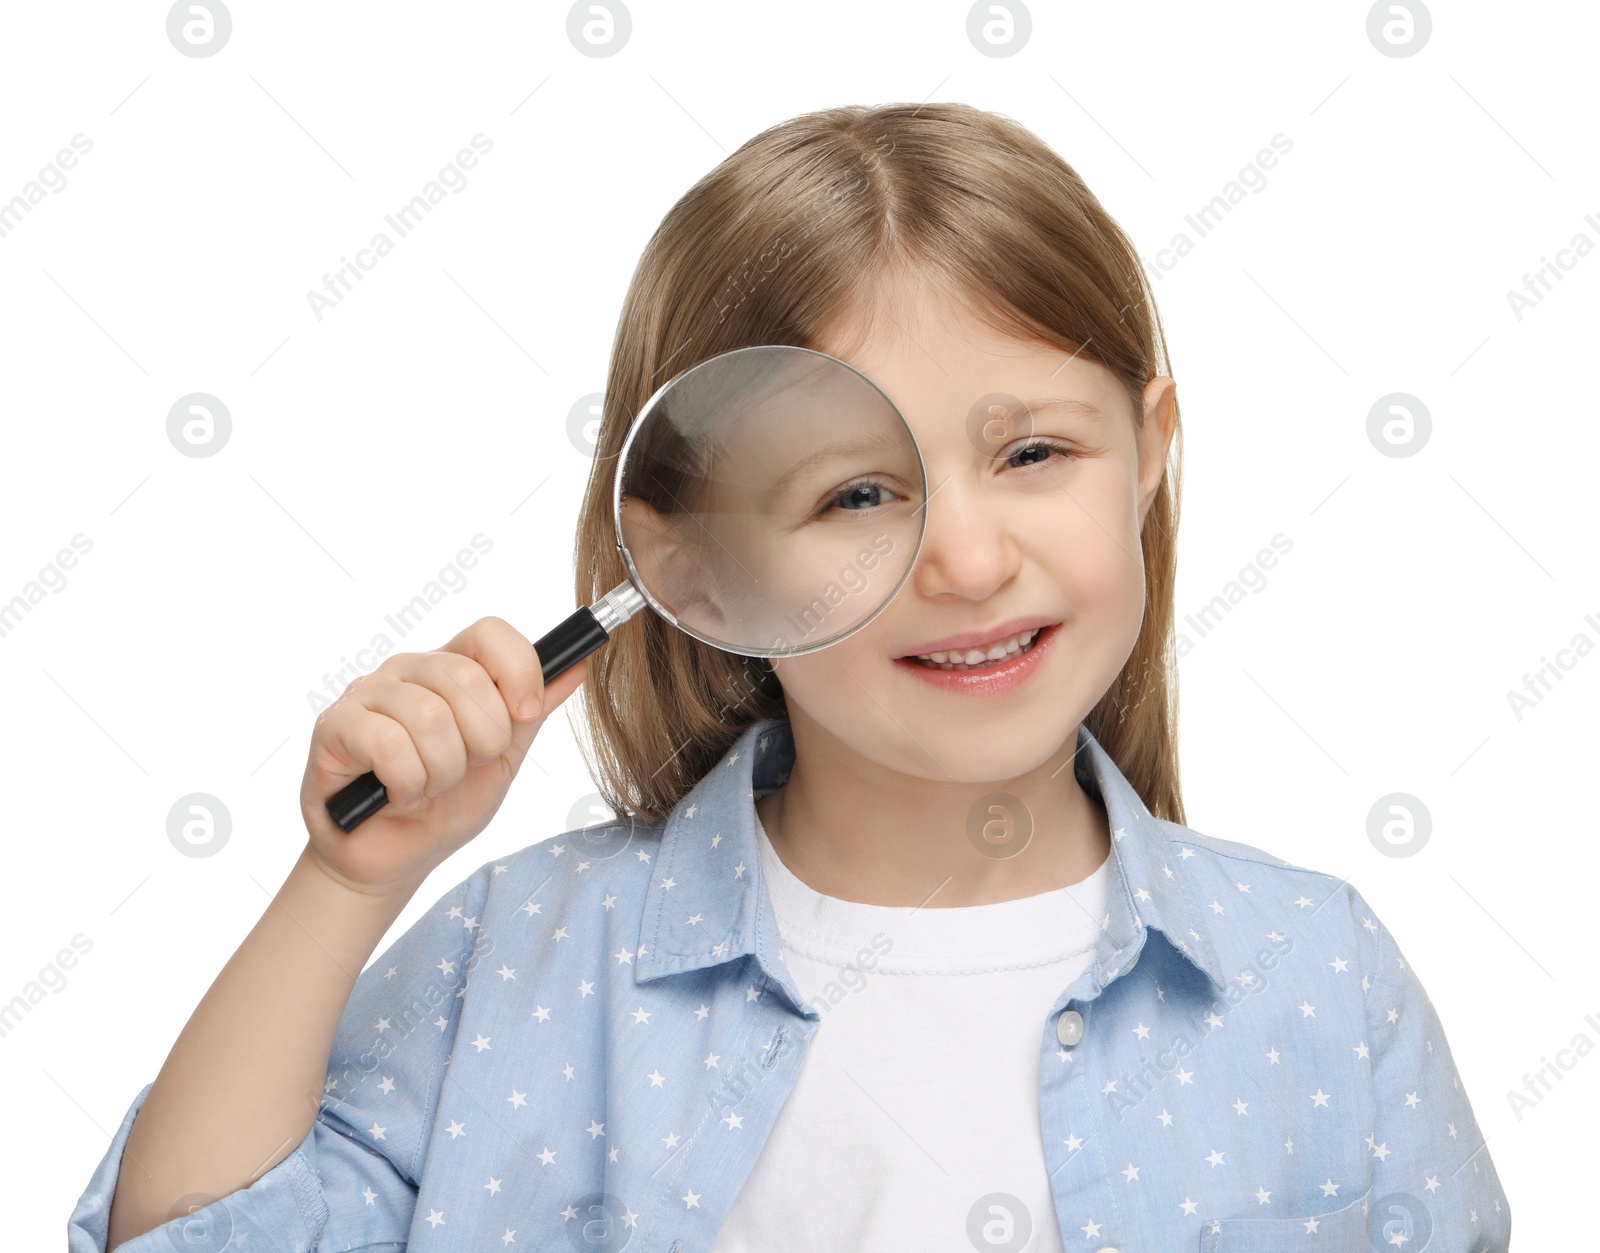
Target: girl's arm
351,1182
243,1084
446,733
1434,1182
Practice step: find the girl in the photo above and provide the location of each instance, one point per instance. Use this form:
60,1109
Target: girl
899,944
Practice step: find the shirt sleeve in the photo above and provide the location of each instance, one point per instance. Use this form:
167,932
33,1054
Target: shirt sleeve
1434,1184
351,1184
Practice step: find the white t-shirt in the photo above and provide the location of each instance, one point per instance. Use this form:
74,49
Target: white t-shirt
919,1093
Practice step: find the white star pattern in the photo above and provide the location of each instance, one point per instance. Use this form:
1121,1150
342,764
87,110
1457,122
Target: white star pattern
652,1007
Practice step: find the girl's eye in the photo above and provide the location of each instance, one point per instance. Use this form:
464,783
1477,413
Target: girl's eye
860,497
1045,447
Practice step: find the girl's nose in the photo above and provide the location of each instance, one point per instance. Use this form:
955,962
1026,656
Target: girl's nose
968,549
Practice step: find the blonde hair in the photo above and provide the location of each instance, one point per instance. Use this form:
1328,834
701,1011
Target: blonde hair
772,246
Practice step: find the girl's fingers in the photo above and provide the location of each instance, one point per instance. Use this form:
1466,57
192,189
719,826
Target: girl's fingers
423,720
507,656
361,740
431,720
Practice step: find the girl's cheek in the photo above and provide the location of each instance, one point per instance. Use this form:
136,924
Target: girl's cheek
1091,546
1116,572
810,673
819,684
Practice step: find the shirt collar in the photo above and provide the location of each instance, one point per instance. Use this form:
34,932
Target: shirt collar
707,904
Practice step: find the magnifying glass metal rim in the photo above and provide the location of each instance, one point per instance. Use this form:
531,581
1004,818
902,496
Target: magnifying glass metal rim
627,557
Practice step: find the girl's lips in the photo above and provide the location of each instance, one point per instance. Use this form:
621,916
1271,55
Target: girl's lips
990,680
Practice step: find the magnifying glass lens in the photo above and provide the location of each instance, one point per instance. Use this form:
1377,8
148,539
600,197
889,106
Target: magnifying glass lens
770,500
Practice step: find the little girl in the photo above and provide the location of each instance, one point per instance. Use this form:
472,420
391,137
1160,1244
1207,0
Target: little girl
899,944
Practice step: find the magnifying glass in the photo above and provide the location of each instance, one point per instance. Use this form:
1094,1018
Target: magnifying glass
770,503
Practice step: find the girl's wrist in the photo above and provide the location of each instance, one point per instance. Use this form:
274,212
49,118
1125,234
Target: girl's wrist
342,921
311,866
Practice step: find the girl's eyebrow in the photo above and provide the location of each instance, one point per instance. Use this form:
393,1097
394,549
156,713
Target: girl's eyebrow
1066,403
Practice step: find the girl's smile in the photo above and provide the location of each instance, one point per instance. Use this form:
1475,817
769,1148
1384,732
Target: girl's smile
978,670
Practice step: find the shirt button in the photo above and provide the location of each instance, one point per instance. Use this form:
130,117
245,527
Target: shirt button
1125,970
1069,1028
1108,1249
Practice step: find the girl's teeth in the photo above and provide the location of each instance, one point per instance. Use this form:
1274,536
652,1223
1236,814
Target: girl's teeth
978,656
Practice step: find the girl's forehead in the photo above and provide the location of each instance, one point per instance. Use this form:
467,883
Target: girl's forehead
934,378
884,311
934,329
938,351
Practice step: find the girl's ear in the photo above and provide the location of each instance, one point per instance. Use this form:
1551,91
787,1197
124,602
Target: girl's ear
667,564
1155,437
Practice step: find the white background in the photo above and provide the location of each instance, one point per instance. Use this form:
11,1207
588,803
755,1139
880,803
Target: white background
431,405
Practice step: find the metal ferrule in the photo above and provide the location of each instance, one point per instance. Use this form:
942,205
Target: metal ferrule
617,606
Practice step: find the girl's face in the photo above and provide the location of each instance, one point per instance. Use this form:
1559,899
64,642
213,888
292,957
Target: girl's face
1041,527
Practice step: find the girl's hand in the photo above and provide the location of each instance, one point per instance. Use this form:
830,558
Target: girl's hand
445,732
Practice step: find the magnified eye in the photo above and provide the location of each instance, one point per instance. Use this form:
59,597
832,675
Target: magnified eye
858,497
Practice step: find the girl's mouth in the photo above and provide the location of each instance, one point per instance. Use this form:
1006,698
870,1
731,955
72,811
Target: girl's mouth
990,658
988,675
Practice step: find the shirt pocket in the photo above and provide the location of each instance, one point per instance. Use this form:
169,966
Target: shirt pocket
1337,1231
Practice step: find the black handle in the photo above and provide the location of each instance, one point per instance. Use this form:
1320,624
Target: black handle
558,652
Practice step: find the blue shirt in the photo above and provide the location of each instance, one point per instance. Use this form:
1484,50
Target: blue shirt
589,1041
